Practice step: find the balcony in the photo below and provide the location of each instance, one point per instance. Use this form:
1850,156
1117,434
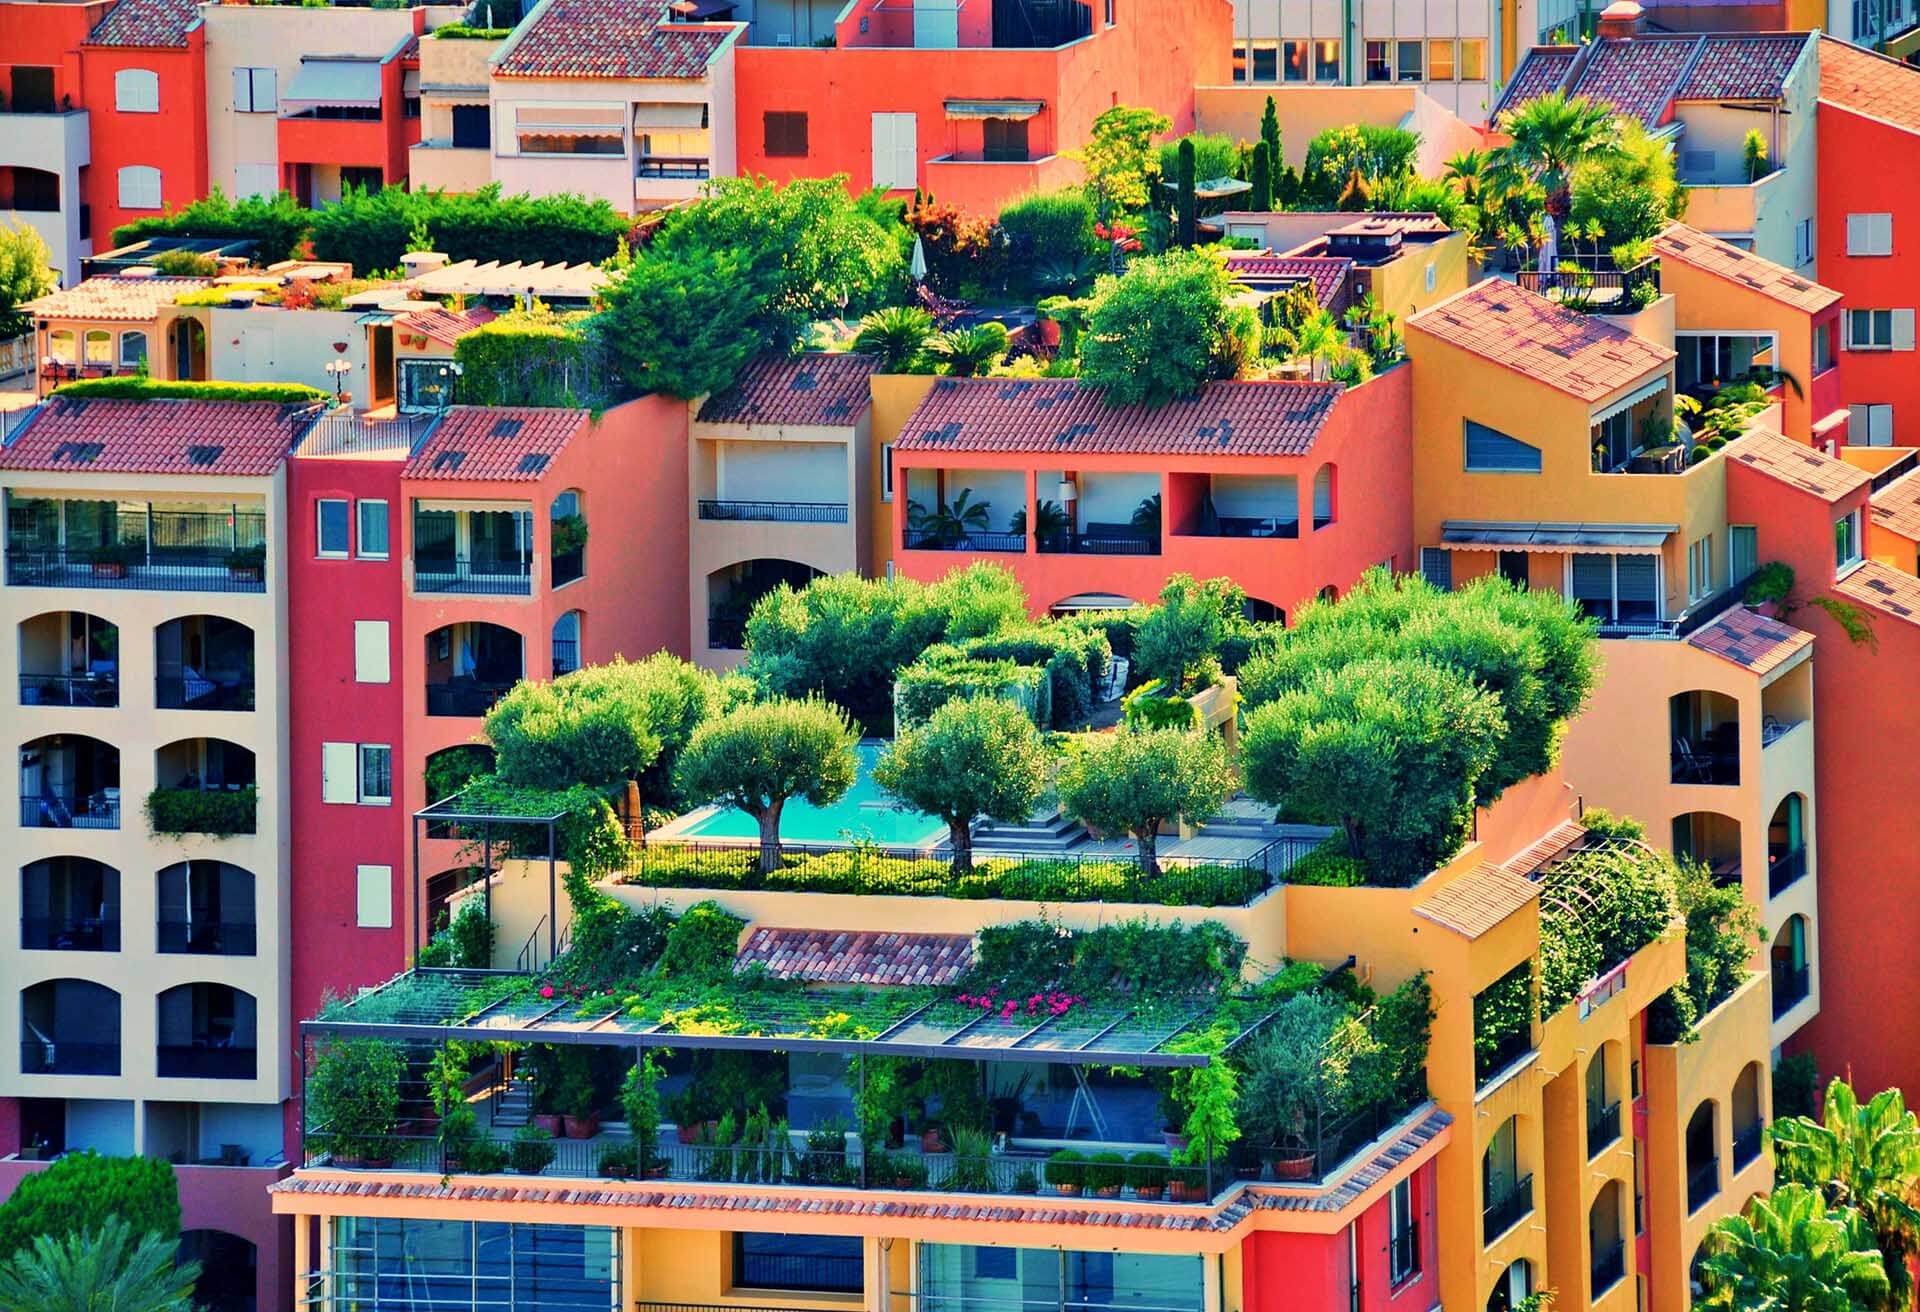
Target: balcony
1703,1184
205,663
474,575
135,567
1785,869
1706,738
70,904
1603,1127
69,1027
206,1032
69,658
1791,985
671,166
1592,284
1609,1267
1508,1209
53,140
1235,506
1747,1144
206,908
934,540
1103,540
778,512
69,781
470,666
473,552
206,786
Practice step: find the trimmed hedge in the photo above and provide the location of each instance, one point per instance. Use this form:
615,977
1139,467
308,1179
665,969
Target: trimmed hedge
1329,866
523,360
942,675
1075,658
175,811
371,230
131,388
81,1190
465,32
277,223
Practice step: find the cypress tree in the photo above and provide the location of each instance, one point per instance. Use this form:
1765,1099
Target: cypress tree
1188,219
1262,178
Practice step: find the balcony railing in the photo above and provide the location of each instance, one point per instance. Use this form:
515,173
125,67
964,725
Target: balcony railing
1791,984
566,656
70,811
1098,543
1507,1210
1596,287
162,570
1603,1127
726,632
1784,870
484,576
1705,765
101,689
1703,1182
931,540
68,935
1243,526
1609,1267
779,512
213,690
464,698
1746,1145
1495,1061
64,1057
222,938
1403,1254
200,1061
671,166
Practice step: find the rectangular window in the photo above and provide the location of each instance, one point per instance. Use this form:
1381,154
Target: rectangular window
1870,330
1803,242
1439,61
886,471
1473,59
376,775
1403,1236
472,127
1379,61
1436,567
1293,61
1266,61
333,528
1743,551
1846,540
1616,589
374,896
373,529
1326,61
1870,234
1700,568
1412,57
338,761
785,134
824,1264
1490,451
1870,425
254,91
372,652
1239,61
1004,139
896,158
1822,347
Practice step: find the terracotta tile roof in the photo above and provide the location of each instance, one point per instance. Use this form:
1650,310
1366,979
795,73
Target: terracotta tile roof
1897,506
1575,353
1327,273
484,444
146,23
1750,640
1805,467
1547,849
111,296
1643,75
612,39
827,956
1414,1133
1543,70
811,389
1691,246
1479,900
1637,77
202,438
1885,589
1869,84
1058,414
1411,223
444,326
1743,66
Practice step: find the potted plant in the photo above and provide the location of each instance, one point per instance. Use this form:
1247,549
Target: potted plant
932,1140
110,559
1066,1172
1187,1184
902,1171
972,1158
1026,1182
532,1151
1172,1115
1287,1082
1247,1164
353,1100
483,1157
618,1161
247,562
640,1103
578,1116
1106,1173
1147,1175
685,1108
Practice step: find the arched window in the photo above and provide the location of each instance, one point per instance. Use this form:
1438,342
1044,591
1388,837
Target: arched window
1606,1240
1506,1195
99,347
139,187
1792,970
136,91
69,1027
1786,844
566,644
1749,1121
1703,1156
206,1031
61,346
133,349
1324,490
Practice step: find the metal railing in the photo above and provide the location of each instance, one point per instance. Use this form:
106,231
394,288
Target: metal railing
1784,870
934,540
568,566
1507,1210
1703,1182
782,512
566,656
826,1273
1494,1061
1403,1254
213,690
919,872
224,938
1595,286
70,689
1791,984
1705,765
1102,544
65,935
201,1062
485,576
1603,1127
177,570
1242,526
1609,1267
464,699
1896,471
65,1057
69,811
1746,1144
342,432
671,166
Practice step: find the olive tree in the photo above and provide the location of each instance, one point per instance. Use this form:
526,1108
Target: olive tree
1133,782
980,756
758,756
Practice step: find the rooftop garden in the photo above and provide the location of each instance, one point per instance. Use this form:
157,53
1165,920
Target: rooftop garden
137,387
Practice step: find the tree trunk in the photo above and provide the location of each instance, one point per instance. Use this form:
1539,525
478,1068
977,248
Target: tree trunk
769,838
636,815
961,835
1149,850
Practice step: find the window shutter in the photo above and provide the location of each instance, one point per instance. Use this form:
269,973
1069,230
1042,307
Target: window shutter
1593,580
882,150
1880,421
243,90
374,896
339,773
1903,330
1882,230
1637,578
1436,567
371,655
266,96
1491,449
1857,424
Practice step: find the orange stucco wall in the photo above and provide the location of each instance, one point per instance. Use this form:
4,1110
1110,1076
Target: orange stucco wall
173,141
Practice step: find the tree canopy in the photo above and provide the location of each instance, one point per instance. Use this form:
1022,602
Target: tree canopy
82,1190
758,756
977,757
1791,1252
109,1269
24,275
1135,781
685,323
1164,328
1121,161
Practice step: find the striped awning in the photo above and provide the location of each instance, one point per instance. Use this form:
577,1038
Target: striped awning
1511,535
1631,399
994,108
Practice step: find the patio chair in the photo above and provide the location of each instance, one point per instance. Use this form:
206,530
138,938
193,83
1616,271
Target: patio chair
1690,766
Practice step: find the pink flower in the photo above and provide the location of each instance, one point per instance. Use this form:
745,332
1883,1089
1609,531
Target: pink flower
546,990
1008,1010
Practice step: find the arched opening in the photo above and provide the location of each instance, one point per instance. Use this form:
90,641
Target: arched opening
1506,1195
1749,1122
734,590
1706,737
1792,970
203,786
566,644
1606,1240
229,1281
1711,839
1325,490
70,904
1703,1156
32,191
206,908
1328,593
1786,844
1513,1288
203,663
69,658
69,781
97,351
69,1027
568,526
1697,1274
1263,612
206,1032
1603,1099
470,666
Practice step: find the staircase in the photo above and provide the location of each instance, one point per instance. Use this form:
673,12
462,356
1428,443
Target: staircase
1047,833
513,1105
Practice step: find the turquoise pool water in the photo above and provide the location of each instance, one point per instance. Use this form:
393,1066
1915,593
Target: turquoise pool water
865,814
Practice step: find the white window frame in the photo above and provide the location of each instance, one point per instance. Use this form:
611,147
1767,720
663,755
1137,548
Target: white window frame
1870,234
128,338
373,897
1613,585
1870,423
1400,1220
360,529
886,471
1803,242
256,90
320,548
140,187
372,651
1899,324
136,91
361,795
1700,568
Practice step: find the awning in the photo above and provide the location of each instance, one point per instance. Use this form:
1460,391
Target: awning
410,83
695,11
1632,399
349,83
668,114
377,318
1095,601
994,108
1905,44
1512,535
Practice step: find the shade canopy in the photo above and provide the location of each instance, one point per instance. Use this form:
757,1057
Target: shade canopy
1015,109
1510,535
334,84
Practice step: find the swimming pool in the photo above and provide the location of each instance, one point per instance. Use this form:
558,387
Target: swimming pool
865,814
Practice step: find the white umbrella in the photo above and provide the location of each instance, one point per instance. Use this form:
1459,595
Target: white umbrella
1550,246
918,268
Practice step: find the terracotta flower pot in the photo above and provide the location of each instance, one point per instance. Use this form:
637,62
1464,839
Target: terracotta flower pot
1107,1191
580,1127
931,1142
552,1123
687,1133
1147,1193
1067,1190
1292,1165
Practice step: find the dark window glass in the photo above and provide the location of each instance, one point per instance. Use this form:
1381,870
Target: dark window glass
828,1264
1006,138
472,126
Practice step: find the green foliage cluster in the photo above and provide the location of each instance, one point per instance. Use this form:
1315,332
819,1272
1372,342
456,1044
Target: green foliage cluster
132,387
277,223
1137,781
1503,1015
1121,161
353,1098
1192,633
702,942
1148,962
452,769
1371,154
25,274
1723,928
371,229
1794,1248
1164,328
1796,1081
537,358
943,675
111,1267
979,756
223,293
467,32
81,1190
1074,656
1050,235
758,756
465,943
1599,906
177,811
1630,188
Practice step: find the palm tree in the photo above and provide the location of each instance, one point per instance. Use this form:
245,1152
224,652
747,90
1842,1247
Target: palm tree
1867,1158
949,525
1467,171
972,351
897,335
1314,341
103,1271
1554,134
1790,1253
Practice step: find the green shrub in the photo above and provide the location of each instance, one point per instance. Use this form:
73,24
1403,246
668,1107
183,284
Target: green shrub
1049,228
532,1150
1067,1169
372,229
81,1190
1076,660
1328,866
702,943
1215,155
1106,1171
353,1098
1147,1171
942,675
131,387
277,223
176,811
466,32
221,294
542,360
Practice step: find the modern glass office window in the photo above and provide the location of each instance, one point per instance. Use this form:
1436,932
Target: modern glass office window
966,1278
395,1264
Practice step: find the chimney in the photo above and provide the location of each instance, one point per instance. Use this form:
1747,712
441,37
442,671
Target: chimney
1622,19
415,263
